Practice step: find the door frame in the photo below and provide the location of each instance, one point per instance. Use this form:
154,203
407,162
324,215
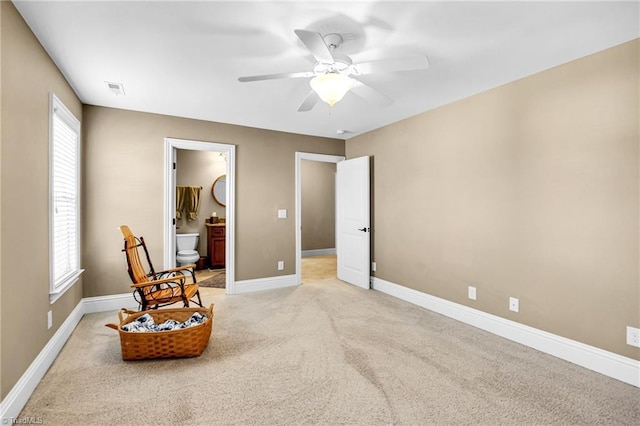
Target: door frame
170,147
299,157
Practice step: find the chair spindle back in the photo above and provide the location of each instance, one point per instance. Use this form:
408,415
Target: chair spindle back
136,270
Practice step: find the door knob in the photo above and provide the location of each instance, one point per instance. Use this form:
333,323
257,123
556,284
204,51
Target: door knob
364,229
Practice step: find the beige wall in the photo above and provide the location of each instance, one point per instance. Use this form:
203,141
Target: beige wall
124,185
28,75
528,190
200,168
318,193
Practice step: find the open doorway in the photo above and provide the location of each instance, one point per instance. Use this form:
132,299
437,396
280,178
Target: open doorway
315,216
201,219
209,167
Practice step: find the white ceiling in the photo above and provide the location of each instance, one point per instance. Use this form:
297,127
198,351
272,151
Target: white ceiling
184,58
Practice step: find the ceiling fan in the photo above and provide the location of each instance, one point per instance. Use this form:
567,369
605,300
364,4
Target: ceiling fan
335,74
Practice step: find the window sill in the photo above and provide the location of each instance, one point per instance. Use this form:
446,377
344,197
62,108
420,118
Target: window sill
62,289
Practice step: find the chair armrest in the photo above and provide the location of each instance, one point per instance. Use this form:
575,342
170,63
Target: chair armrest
178,269
162,281
182,268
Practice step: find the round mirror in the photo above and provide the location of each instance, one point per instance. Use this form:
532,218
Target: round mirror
219,190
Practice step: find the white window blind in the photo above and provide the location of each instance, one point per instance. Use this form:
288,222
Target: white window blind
65,197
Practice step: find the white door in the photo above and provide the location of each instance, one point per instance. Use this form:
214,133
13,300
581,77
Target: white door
353,233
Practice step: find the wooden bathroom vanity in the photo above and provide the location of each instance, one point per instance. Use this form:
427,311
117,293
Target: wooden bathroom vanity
216,241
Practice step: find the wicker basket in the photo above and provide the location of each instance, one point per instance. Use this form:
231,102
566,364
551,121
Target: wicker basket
185,342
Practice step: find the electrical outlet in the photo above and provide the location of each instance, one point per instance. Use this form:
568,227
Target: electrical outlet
472,293
633,336
280,265
373,266
49,319
514,304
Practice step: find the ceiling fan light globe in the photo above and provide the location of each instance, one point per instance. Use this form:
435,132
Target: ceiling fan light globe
331,87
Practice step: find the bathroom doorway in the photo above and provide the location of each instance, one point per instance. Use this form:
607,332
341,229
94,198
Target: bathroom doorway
220,159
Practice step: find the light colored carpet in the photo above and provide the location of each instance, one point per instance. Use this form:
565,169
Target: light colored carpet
325,353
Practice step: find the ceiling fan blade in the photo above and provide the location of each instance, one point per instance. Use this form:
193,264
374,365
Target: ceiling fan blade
408,63
369,94
316,45
277,76
309,102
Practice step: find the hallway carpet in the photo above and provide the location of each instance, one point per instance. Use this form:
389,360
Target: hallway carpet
325,353
318,267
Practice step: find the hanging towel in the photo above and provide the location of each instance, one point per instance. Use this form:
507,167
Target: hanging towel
180,200
192,204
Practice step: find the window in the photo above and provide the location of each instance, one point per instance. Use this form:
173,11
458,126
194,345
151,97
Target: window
64,204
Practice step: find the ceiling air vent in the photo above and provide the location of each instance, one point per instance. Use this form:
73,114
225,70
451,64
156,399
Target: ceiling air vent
116,88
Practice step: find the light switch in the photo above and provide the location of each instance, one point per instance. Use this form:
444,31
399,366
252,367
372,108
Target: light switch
282,214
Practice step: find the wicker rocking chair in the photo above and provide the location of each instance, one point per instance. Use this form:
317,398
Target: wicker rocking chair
152,289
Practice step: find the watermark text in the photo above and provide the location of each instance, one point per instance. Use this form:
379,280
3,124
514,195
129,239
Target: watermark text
25,420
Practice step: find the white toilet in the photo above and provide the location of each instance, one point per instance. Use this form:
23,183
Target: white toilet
186,245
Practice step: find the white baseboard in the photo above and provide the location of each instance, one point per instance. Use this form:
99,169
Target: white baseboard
613,365
318,252
15,400
112,302
270,283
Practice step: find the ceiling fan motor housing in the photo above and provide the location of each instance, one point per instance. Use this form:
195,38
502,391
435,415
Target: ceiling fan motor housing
342,64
